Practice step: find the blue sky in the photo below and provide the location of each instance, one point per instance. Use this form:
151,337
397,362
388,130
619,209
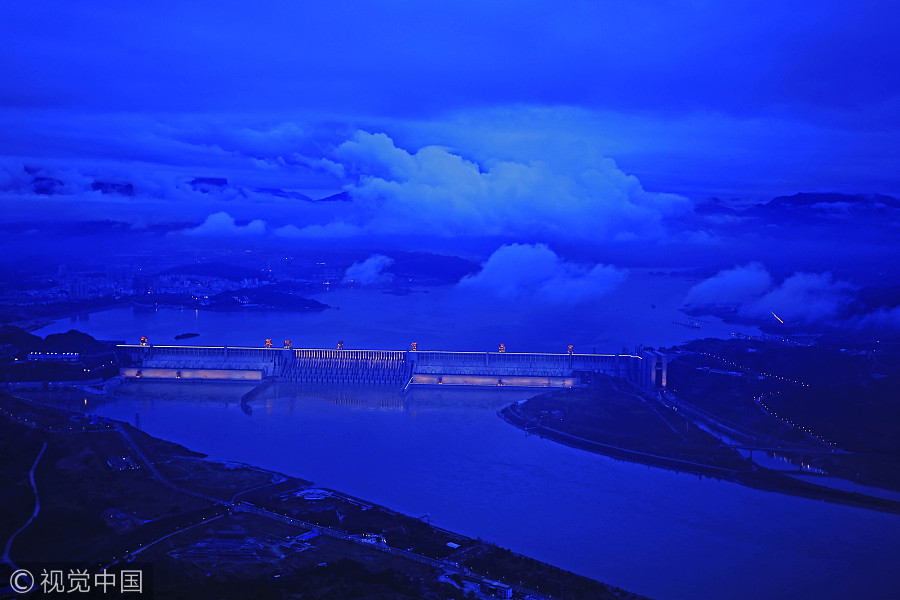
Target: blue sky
552,132
698,98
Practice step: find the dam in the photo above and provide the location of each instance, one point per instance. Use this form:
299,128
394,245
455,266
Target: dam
646,368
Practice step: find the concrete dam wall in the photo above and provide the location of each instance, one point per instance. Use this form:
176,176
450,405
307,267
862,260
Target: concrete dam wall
395,367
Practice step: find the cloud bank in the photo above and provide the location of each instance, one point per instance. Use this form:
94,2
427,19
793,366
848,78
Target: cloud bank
808,297
801,297
437,192
337,229
221,224
371,271
535,273
731,286
430,193
885,318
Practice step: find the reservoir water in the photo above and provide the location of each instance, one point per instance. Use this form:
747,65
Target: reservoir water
446,454
643,310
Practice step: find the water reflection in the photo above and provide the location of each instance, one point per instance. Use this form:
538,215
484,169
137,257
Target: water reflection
371,398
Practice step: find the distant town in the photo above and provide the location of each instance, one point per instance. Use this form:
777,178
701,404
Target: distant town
251,280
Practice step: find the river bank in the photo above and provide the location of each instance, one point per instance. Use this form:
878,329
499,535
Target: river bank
511,416
176,487
444,455
756,477
40,316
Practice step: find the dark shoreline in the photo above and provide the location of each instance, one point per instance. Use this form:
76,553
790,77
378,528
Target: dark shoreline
184,473
39,322
653,460
759,479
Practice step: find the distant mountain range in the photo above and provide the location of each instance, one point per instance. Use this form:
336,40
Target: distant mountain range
807,205
874,201
46,182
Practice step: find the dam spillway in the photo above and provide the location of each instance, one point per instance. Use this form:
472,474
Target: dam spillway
394,367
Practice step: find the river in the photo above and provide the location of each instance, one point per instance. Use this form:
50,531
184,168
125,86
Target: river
446,454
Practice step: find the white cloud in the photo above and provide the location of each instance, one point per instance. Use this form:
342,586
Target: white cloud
322,165
807,297
337,229
731,286
882,319
535,273
370,271
437,192
223,224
